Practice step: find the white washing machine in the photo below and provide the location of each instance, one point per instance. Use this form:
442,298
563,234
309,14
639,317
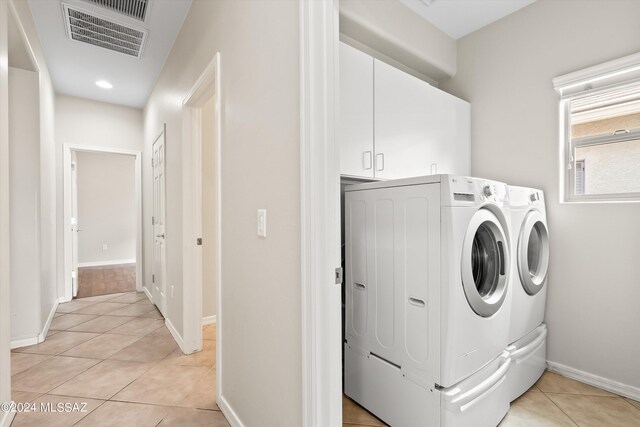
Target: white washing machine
527,333
428,300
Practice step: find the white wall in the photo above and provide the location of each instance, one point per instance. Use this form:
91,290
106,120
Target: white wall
390,31
505,71
106,207
259,46
208,209
94,124
24,155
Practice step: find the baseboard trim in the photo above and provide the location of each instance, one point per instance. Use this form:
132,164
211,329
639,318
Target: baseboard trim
101,263
209,320
229,413
147,293
7,418
25,342
595,380
175,334
45,329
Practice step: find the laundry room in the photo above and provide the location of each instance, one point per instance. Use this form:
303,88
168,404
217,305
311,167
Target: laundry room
489,184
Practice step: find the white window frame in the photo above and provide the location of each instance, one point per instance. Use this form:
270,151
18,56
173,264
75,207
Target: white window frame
599,78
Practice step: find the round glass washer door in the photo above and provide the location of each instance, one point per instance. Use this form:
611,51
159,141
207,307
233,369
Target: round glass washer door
533,252
485,263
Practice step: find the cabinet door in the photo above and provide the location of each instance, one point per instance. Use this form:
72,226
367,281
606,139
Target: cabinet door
419,129
356,112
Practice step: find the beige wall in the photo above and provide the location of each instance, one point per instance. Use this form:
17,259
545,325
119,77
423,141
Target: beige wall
259,47
505,71
24,152
106,207
208,210
95,124
390,31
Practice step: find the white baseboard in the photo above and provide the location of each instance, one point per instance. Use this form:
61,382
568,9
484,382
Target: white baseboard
596,381
101,263
175,334
228,412
209,320
7,418
147,293
45,329
25,342
62,300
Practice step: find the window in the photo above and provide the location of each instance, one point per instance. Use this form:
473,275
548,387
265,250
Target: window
600,132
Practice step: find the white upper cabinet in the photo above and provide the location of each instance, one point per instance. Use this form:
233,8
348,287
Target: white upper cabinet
356,112
419,129
394,125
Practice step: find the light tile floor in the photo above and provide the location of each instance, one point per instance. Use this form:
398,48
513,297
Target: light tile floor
114,353
553,401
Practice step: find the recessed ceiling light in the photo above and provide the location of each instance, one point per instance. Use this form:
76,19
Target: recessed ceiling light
104,84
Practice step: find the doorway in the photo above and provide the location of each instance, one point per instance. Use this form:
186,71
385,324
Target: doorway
102,210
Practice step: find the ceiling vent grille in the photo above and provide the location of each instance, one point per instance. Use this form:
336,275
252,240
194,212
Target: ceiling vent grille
86,27
136,9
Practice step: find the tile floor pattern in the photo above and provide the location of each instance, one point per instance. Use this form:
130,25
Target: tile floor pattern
553,401
106,279
114,353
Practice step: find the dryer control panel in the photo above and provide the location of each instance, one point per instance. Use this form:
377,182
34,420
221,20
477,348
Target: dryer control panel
467,191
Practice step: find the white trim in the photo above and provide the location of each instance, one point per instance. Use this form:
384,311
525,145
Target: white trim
101,263
209,320
5,227
206,86
67,236
7,419
627,67
228,412
616,387
176,336
320,215
45,328
25,342
148,294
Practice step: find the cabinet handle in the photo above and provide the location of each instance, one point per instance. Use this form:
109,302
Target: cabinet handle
367,160
380,161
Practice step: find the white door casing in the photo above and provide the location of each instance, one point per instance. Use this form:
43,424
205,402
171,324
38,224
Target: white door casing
74,224
159,268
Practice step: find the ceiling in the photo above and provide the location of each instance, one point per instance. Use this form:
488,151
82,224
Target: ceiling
457,18
75,67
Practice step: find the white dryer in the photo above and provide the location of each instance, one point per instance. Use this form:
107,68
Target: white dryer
428,300
527,333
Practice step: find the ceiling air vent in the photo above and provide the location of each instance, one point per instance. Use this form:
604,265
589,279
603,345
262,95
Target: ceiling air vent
136,9
87,27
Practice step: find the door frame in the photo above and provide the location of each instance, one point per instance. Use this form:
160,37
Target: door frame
67,236
208,85
320,214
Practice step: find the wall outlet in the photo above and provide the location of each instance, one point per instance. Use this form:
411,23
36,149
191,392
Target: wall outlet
105,247
262,223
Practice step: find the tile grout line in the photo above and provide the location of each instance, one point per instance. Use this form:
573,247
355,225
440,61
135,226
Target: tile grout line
558,406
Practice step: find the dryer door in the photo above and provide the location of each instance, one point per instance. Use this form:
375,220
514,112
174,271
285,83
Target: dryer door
485,263
533,252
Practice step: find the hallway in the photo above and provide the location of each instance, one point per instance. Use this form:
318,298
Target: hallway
114,353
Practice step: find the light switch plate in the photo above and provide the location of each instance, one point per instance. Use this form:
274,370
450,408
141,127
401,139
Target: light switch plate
262,223
105,247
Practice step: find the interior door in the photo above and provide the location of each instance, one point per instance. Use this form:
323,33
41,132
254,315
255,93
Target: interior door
159,239
74,223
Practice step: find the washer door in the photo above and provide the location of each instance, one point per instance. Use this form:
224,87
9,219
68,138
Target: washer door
533,253
485,263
